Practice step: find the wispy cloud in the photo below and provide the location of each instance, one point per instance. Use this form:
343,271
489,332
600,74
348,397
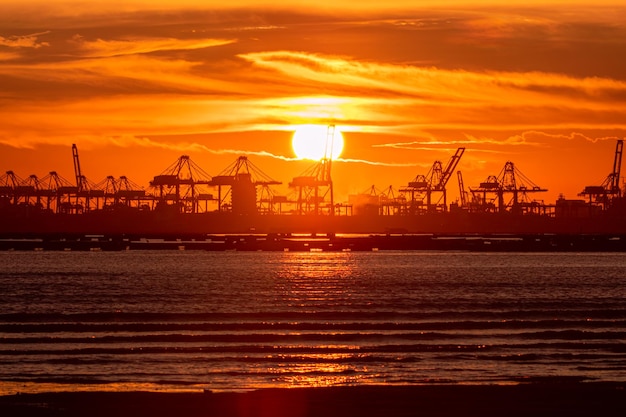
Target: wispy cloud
127,141
129,75
131,46
471,140
431,84
24,41
536,137
374,163
532,139
434,98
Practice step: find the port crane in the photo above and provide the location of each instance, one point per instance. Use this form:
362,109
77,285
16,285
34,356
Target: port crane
434,181
242,178
9,183
129,192
61,190
121,192
180,187
30,188
609,190
511,181
393,202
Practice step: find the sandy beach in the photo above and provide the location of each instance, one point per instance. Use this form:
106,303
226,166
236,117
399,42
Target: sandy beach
537,399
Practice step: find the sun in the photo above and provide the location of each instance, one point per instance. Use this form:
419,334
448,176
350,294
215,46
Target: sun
316,142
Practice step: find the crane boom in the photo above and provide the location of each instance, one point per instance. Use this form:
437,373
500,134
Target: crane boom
447,173
617,167
462,192
77,173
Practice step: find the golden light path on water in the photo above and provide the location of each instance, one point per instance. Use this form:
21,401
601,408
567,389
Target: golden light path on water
316,277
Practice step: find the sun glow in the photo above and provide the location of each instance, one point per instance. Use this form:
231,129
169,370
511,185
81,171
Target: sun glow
316,142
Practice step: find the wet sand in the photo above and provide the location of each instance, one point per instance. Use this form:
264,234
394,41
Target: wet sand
537,399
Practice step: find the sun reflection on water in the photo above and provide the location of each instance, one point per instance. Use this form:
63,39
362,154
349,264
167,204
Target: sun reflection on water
317,281
319,371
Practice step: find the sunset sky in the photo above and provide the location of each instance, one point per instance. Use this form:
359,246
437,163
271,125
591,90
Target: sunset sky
137,83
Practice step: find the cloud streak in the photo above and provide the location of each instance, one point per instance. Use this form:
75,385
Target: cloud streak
23,41
144,142
419,98
409,98
131,46
460,87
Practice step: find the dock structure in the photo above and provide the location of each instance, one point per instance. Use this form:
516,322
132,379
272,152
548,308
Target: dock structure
184,198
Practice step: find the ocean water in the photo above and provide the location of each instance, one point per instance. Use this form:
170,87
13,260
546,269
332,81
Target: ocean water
192,320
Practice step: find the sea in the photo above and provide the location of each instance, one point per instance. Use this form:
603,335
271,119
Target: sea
166,320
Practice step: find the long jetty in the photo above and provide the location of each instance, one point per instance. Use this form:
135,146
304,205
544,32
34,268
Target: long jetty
320,243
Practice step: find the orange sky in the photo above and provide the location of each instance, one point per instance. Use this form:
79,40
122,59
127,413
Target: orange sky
136,84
